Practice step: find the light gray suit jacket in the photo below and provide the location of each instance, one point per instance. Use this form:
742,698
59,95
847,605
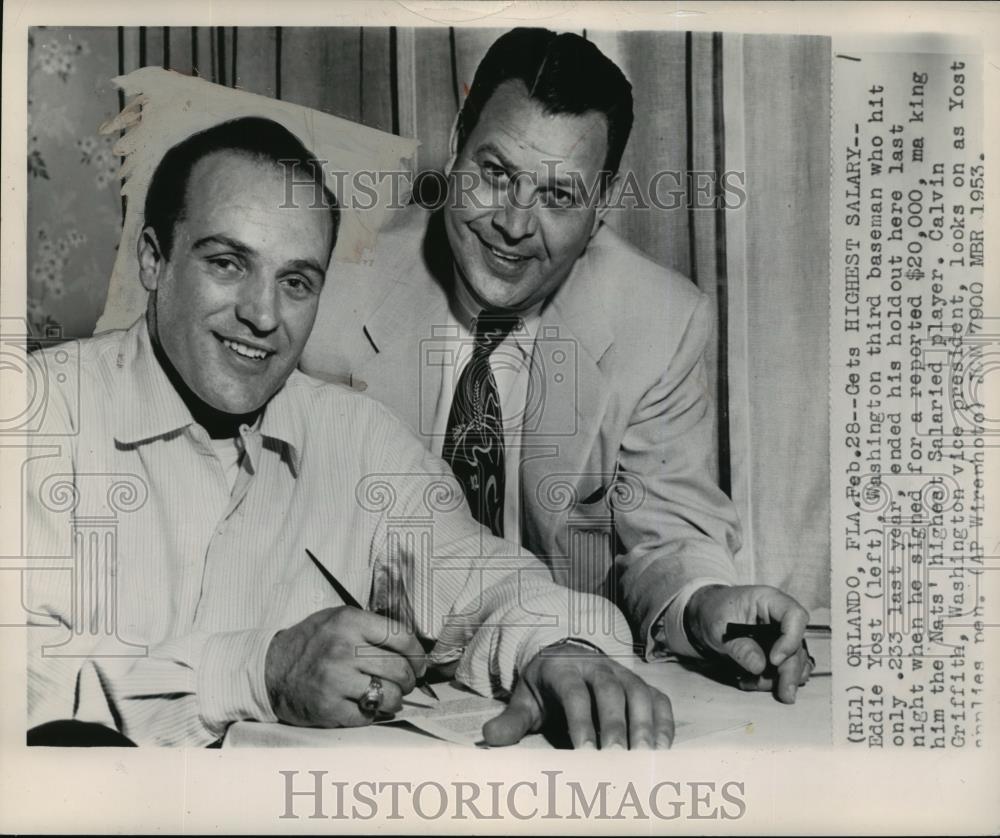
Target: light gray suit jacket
617,491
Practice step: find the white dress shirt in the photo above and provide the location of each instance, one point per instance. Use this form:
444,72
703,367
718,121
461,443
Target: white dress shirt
168,643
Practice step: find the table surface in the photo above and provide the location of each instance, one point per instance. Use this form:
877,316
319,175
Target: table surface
708,714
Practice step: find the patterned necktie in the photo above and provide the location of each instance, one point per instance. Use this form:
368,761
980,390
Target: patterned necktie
473,443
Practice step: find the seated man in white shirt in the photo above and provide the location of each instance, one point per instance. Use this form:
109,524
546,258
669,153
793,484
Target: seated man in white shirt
222,468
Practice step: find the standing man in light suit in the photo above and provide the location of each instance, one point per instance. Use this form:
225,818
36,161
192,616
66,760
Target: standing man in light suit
559,371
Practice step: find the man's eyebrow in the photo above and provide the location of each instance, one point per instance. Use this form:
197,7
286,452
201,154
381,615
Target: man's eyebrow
564,181
490,148
306,265
246,250
225,241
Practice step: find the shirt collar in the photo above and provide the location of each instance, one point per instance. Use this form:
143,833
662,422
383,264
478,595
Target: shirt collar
150,408
148,405
283,423
466,310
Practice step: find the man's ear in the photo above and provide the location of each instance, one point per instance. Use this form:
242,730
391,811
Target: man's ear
453,144
150,258
609,198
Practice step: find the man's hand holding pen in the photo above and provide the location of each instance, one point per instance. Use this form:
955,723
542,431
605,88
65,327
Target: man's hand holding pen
340,666
318,670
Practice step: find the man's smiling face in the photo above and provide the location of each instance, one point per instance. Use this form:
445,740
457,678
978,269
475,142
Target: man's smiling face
517,232
235,301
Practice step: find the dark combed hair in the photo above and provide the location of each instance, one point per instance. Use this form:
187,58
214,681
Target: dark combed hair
256,137
565,74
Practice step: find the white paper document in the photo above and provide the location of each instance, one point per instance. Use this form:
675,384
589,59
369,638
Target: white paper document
457,717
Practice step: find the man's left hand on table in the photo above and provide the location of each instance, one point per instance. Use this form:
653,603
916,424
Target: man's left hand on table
712,608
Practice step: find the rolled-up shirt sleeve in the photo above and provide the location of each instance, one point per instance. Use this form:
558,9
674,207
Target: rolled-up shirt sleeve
191,688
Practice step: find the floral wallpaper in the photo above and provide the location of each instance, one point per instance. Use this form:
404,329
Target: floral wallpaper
74,208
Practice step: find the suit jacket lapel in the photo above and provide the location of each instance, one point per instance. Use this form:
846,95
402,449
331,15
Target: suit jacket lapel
572,338
404,369
397,373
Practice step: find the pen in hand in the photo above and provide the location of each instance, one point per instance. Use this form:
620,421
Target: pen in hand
349,600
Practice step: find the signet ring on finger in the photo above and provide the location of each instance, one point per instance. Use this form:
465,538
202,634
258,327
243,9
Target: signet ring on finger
371,698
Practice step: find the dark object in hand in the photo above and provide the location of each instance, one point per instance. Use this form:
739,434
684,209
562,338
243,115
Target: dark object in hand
764,635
